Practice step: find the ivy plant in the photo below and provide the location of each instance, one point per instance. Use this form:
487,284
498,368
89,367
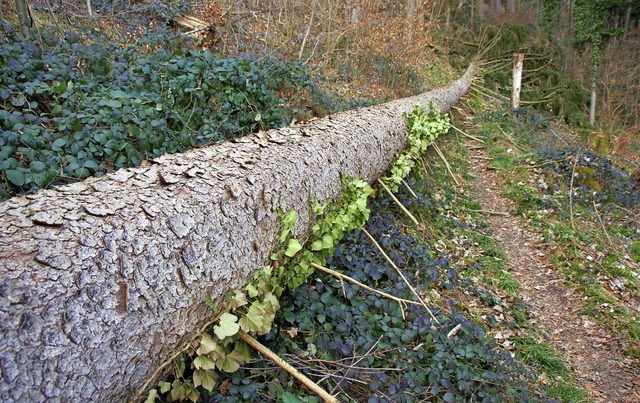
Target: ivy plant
423,128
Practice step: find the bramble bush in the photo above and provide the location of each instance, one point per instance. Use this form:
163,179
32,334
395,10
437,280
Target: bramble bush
69,109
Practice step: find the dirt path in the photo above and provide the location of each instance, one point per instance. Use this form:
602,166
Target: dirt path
603,371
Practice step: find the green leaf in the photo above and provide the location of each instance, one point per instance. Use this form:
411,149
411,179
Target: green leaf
91,164
290,398
178,390
227,326
15,177
153,395
178,371
252,290
118,94
449,397
206,378
231,362
293,248
253,320
327,241
288,221
58,144
238,299
56,109
209,302
18,100
207,344
164,386
244,350
317,245
204,362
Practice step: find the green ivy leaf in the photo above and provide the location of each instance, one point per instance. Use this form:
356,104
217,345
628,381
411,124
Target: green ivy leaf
206,378
178,390
207,344
253,320
231,362
238,299
204,362
293,248
290,398
288,221
252,290
227,326
244,350
164,386
327,241
153,395
209,302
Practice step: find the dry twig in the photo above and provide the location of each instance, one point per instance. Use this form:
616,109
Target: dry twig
395,199
286,366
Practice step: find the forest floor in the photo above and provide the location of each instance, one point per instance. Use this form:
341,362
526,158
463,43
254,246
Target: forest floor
593,352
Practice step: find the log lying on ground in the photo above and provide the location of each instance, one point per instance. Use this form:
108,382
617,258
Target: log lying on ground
102,279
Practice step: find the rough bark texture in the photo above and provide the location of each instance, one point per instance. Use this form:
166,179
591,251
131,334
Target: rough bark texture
101,280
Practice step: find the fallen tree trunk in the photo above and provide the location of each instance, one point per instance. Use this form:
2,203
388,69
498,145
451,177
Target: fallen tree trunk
103,279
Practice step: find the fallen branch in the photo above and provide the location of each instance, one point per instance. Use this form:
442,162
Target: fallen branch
454,331
613,246
481,157
286,366
395,199
377,245
401,301
479,140
409,188
446,163
490,212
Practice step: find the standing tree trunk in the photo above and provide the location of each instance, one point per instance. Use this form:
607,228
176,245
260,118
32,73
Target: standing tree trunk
480,9
592,105
497,7
518,62
411,7
101,280
22,10
511,7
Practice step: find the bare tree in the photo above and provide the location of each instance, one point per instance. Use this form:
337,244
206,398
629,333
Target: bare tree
22,9
411,7
480,9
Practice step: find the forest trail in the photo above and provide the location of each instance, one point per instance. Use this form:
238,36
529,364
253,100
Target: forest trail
592,352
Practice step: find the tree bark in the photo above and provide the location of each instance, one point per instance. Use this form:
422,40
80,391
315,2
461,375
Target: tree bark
592,104
101,280
24,19
480,9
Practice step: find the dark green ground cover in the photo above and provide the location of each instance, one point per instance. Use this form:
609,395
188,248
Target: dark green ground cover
70,108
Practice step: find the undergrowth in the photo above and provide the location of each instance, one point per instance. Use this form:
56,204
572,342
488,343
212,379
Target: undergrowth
70,109
479,345
585,207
